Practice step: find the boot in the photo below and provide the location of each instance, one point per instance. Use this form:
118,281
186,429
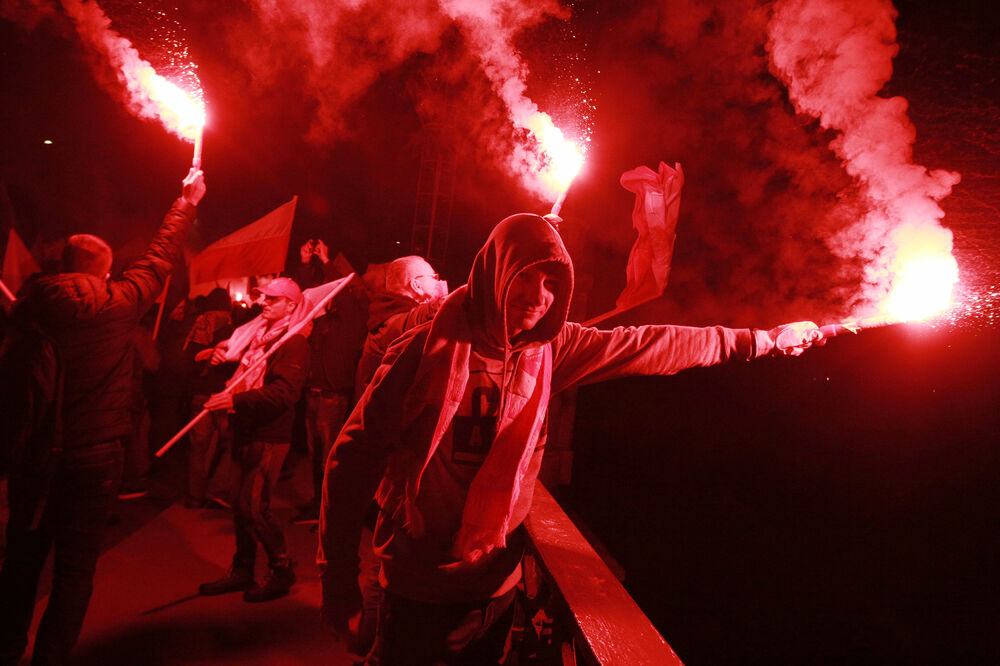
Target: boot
238,579
277,584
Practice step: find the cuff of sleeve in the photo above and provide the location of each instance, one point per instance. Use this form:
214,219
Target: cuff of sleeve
761,343
184,205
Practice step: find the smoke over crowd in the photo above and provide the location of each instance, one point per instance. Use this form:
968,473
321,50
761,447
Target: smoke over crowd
800,181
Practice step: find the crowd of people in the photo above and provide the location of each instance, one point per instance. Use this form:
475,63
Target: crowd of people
423,416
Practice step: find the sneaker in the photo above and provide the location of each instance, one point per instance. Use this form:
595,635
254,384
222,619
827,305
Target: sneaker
214,502
237,580
133,489
276,585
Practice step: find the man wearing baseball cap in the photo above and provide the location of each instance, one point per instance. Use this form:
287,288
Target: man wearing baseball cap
262,398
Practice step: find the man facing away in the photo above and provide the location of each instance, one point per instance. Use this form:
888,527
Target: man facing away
65,480
451,431
413,292
263,414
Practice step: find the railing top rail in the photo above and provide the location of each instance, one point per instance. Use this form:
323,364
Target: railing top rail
615,629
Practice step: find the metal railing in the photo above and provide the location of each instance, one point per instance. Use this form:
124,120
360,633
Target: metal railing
577,610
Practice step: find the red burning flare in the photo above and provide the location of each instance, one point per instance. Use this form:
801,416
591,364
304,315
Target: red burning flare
835,57
924,274
149,95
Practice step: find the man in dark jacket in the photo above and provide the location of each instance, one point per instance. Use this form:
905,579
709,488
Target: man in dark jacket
451,431
64,494
334,350
262,397
412,295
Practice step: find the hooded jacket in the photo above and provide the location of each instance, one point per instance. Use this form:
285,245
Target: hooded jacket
389,315
92,322
391,439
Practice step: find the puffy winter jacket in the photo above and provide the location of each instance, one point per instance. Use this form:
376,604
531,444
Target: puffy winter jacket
92,324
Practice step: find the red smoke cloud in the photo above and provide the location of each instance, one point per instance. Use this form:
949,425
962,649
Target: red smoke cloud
341,50
777,221
147,94
835,56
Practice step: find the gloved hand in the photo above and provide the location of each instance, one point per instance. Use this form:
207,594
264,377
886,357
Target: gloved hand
793,339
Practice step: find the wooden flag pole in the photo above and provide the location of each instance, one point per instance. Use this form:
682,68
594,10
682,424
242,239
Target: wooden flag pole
163,303
263,359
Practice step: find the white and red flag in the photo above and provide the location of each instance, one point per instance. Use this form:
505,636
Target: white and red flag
657,202
314,303
258,248
18,263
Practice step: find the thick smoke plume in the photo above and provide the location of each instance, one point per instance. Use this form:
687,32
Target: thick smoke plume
784,215
690,82
337,50
342,48
835,56
490,29
147,94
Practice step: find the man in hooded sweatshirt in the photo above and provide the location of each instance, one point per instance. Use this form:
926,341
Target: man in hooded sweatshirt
451,432
63,486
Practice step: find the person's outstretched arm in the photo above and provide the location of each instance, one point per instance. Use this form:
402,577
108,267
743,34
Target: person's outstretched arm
587,355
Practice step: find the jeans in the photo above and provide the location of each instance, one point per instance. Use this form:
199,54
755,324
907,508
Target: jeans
326,413
256,466
84,486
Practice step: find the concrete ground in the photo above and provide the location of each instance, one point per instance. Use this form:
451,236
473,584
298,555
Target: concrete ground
146,608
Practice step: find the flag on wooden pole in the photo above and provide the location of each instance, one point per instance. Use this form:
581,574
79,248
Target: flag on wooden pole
314,303
258,248
657,202
654,217
18,263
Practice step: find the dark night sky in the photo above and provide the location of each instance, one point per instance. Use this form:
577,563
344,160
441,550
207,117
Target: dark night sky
837,508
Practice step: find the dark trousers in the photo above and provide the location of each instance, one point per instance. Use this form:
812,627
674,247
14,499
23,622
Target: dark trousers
326,412
83,490
256,466
413,633
137,459
208,461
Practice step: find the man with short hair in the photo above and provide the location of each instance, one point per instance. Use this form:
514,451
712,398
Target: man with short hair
452,429
263,413
69,466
